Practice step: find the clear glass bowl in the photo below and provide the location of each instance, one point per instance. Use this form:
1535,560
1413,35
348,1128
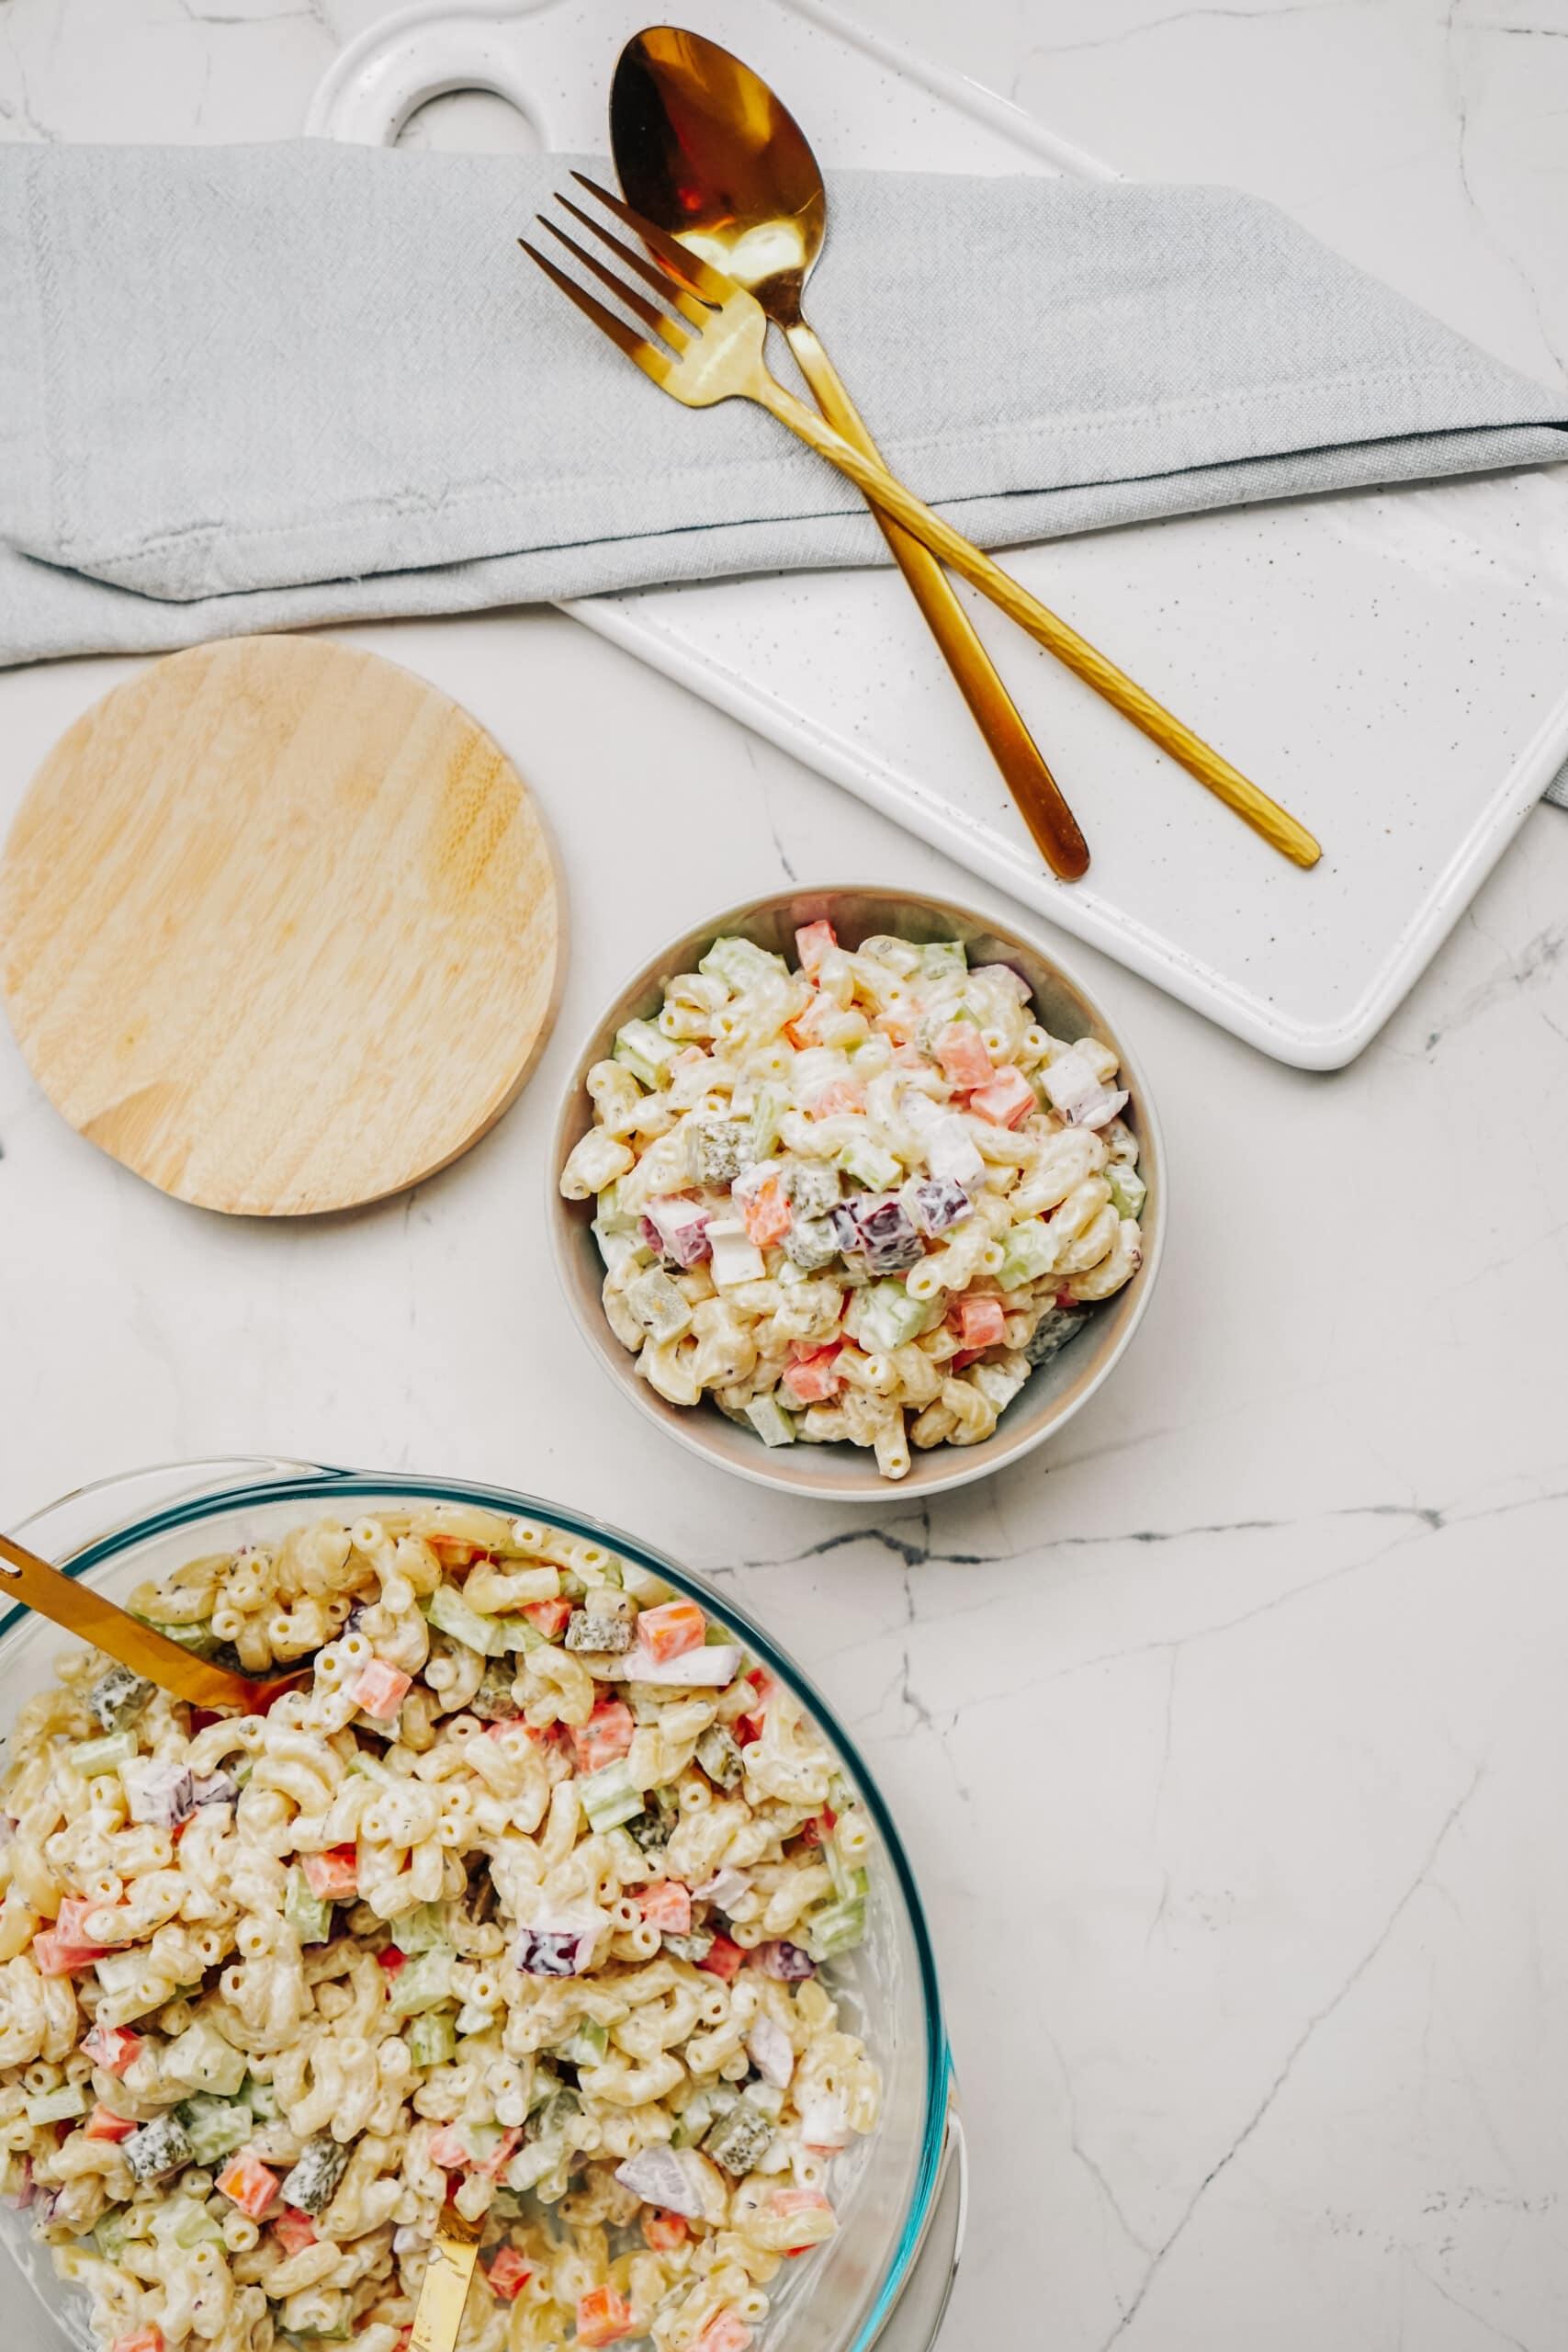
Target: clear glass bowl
124,1530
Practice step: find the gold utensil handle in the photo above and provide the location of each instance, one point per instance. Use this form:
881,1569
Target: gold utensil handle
68,1602
444,2287
1278,827
1051,822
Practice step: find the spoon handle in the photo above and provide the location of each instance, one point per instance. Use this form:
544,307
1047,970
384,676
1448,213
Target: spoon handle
1033,785
1278,827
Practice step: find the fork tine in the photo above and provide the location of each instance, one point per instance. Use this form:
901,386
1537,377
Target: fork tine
652,361
689,267
688,305
660,322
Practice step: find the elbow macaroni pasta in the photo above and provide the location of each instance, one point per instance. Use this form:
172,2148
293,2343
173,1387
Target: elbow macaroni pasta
857,1202
480,1911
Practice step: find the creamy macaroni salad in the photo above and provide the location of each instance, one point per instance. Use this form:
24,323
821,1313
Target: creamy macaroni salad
859,1200
525,1899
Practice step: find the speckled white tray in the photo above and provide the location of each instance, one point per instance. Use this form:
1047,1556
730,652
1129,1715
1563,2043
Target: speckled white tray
1395,667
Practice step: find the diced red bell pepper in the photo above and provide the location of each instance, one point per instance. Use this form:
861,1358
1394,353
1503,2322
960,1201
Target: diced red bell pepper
333,1875
112,2047
508,2274
607,1733
766,1214
672,1629
549,1617
144,2340
810,1380
725,2332
961,1050
820,1827
839,1097
965,1357
505,2148
450,2150
602,2317
667,1906
456,1550
56,1956
105,2124
380,1688
391,1959
812,942
722,1959
294,2231
980,1321
747,1728
1007,1102
662,2231
764,1683
247,2182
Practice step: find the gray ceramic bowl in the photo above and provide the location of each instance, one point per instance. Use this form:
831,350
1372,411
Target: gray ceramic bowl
1054,1393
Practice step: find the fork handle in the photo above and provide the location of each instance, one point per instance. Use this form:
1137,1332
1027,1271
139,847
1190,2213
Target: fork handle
1278,827
1034,787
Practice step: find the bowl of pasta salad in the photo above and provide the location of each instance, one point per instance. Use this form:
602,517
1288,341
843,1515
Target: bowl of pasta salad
554,1893
851,1188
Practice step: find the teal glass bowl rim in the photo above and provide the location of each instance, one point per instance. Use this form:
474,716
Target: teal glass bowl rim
325,1484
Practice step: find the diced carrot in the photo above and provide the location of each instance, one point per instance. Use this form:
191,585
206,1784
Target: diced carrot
294,2231
105,2124
981,1321
661,2232
667,1906
391,1959
144,2340
607,1733
549,1616
833,1100
812,942
450,2150
673,1629
602,2317
766,1214
961,1050
111,2047
380,1688
508,2274
72,1924
247,2182
722,1959
1007,1102
334,1874
725,2332
811,1379
55,1957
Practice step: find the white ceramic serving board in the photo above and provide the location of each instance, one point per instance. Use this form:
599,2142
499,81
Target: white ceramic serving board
1392,666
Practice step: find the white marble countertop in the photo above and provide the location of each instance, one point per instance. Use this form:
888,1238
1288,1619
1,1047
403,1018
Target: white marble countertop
1240,1711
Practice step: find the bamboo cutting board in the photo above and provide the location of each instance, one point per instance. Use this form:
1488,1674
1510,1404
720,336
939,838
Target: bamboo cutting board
279,927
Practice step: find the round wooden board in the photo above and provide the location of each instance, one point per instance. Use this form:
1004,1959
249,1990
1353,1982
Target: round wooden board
279,927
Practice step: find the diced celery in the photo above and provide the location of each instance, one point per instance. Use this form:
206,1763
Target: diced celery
766,1115
870,1163
201,2059
741,964
610,1796
424,1984
310,1916
111,2232
518,1635
770,1420
1029,1251
646,1053
766,2099
54,2106
423,1929
431,2038
610,1217
836,1927
102,1754
195,2225
886,1317
261,2098
535,2163
447,1609
200,1637
843,1878
587,2045
215,2127
941,958
1128,1189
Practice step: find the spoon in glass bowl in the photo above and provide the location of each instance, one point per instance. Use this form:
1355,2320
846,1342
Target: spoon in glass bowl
707,152
99,1622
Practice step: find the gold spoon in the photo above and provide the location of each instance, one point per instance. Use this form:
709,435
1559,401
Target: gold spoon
85,1612
704,150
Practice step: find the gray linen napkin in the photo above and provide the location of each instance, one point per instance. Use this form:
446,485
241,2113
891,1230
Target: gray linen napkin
257,387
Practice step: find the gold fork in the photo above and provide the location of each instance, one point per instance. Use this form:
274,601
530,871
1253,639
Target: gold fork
717,355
